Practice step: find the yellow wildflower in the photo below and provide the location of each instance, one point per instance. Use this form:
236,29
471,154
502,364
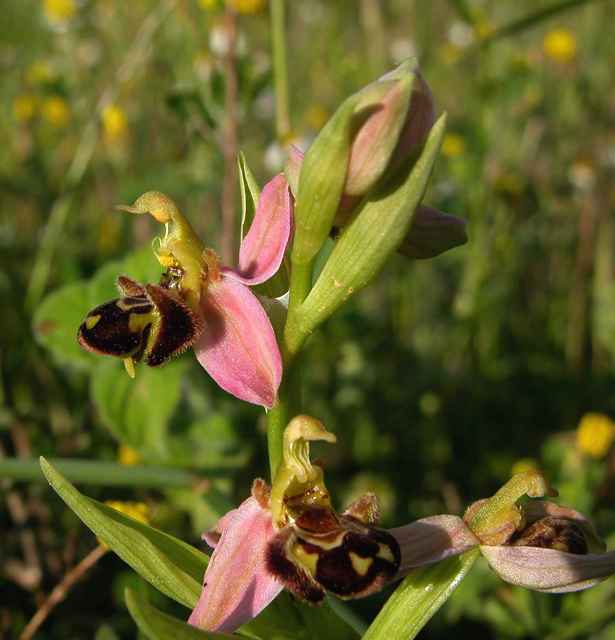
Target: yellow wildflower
210,5
24,107
316,116
41,72
484,29
56,110
453,145
450,53
136,510
595,435
560,45
58,11
524,464
128,456
247,7
115,124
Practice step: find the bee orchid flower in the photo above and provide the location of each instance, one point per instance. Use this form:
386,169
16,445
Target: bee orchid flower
289,536
538,545
200,303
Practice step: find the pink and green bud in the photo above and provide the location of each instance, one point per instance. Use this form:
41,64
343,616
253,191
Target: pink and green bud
391,130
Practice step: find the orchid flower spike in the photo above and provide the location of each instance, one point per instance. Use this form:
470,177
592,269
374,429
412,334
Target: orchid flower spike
289,535
538,545
200,303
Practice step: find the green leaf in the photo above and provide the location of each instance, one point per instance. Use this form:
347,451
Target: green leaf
172,566
160,626
419,596
323,172
250,193
56,321
373,234
137,411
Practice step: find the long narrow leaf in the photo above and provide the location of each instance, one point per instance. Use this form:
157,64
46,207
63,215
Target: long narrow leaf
172,566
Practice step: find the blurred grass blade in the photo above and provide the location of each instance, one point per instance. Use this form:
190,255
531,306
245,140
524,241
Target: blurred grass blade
160,626
419,596
534,19
107,474
172,566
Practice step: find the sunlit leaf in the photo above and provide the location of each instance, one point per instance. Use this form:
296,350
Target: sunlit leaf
172,566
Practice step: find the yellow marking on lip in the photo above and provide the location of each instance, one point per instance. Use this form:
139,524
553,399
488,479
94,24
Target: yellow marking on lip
91,322
307,560
359,564
384,553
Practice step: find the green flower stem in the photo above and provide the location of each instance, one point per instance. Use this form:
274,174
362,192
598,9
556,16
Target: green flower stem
289,394
419,596
105,474
289,405
280,68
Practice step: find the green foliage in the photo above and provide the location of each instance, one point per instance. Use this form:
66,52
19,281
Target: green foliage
437,378
172,566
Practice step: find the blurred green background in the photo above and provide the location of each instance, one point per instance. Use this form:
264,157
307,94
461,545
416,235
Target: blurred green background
440,380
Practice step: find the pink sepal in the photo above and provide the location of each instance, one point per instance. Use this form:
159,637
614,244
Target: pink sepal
263,247
549,570
430,540
236,585
419,119
432,233
237,346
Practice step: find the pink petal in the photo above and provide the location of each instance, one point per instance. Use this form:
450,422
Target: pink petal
236,585
430,540
237,346
548,569
262,250
374,143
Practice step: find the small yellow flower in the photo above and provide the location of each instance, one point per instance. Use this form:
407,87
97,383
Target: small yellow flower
58,11
524,464
316,116
247,7
453,145
24,107
128,456
450,53
56,111
211,5
484,29
41,72
115,124
136,510
595,435
560,45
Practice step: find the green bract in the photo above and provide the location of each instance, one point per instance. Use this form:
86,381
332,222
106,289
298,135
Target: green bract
373,234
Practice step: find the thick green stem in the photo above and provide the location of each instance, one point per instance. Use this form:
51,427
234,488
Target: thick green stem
280,69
